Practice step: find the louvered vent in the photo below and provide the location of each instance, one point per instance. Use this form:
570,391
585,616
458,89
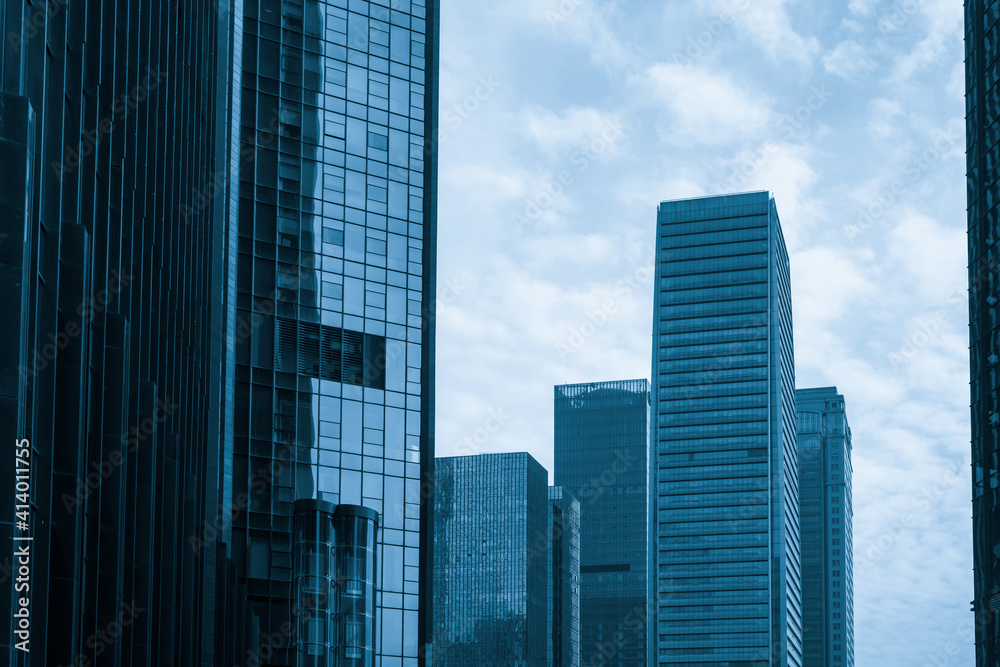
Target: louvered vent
329,353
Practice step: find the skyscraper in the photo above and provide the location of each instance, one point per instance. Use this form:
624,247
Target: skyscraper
490,563
220,241
601,456
564,579
333,249
826,513
111,358
984,342
727,474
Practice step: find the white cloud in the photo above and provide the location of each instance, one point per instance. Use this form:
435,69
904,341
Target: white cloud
587,24
931,257
769,27
827,285
576,128
861,7
706,107
884,112
848,60
944,33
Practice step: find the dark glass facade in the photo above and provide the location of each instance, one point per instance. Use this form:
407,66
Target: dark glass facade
826,515
724,407
219,226
601,456
983,152
563,578
491,553
334,249
110,120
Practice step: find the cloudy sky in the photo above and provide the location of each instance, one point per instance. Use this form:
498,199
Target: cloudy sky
563,124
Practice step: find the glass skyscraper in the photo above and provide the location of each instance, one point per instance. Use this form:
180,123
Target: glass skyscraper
111,351
601,456
826,513
333,244
490,563
724,407
218,235
982,129
564,579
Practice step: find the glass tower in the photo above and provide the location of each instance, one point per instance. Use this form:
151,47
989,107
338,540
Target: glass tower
727,471
601,448
826,515
564,579
217,232
112,350
982,110
491,555
334,245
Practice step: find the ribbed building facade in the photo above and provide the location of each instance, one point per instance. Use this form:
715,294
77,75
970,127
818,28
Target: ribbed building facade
217,244
110,121
601,456
563,579
491,559
982,71
826,516
728,552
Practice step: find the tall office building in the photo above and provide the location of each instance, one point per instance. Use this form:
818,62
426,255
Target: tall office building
219,234
982,110
333,247
601,456
490,561
563,567
111,356
724,387
826,514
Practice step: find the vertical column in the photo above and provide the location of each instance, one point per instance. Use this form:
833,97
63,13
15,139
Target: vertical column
356,528
314,586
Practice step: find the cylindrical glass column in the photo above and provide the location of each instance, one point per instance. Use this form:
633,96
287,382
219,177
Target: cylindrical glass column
314,584
356,528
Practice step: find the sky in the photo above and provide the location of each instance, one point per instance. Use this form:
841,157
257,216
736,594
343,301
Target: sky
564,123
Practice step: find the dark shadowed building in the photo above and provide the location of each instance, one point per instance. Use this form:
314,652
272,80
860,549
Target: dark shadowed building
982,111
826,516
563,578
491,546
601,456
